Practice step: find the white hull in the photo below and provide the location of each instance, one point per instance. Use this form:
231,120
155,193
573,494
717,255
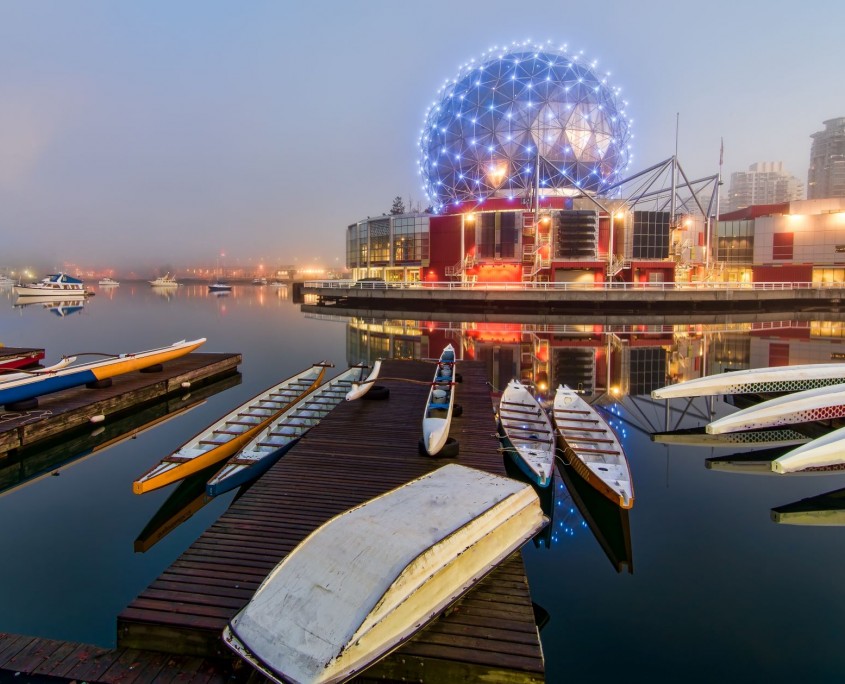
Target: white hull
437,416
594,451
822,403
359,389
53,294
828,450
757,381
529,432
369,579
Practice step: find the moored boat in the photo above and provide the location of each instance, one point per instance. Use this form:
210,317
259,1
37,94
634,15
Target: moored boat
232,432
370,578
359,389
698,436
592,447
275,440
51,380
526,433
827,450
439,406
11,359
108,282
166,280
758,381
19,374
56,285
822,403
218,286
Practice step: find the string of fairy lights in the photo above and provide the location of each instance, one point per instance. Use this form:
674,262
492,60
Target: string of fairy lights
519,106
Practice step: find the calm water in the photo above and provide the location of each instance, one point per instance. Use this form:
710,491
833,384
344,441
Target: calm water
718,590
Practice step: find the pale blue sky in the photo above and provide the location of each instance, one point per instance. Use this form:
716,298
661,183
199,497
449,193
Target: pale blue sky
136,133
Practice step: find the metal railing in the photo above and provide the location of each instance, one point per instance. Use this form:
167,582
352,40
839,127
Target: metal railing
563,287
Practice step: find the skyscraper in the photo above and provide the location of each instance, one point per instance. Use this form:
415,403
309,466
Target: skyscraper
763,183
826,177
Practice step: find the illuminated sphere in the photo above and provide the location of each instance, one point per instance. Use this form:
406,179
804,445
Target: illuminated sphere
481,136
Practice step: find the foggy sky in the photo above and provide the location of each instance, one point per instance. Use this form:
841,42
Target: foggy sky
148,132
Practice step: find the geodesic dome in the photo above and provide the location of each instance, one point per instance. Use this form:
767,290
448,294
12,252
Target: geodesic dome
498,118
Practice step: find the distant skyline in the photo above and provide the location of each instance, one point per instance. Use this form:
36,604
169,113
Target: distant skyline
139,134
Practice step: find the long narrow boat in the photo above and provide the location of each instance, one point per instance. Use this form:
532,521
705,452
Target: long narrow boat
232,432
11,359
20,374
827,450
526,433
275,440
822,403
439,406
359,389
370,578
757,381
38,384
592,447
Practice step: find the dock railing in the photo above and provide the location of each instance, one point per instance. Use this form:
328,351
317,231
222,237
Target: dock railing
563,287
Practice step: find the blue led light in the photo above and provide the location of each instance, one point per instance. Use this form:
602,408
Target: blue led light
520,99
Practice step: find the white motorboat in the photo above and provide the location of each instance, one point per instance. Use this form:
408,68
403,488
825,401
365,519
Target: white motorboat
372,577
166,280
56,285
108,282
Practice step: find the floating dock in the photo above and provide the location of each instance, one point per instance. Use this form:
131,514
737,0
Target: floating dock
62,412
360,450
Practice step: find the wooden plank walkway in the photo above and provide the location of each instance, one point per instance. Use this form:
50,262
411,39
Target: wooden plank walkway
362,449
60,412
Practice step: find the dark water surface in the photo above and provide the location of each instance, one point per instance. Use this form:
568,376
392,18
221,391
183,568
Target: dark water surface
697,583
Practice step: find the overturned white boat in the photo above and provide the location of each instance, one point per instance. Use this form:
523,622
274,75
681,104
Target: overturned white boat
757,381
827,450
822,403
370,578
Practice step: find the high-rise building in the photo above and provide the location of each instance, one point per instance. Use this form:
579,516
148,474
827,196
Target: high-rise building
826,177
763,183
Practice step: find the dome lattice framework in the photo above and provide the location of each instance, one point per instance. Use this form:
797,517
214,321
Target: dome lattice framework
482,136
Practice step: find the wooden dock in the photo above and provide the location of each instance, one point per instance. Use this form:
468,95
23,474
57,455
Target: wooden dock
362,449
59,413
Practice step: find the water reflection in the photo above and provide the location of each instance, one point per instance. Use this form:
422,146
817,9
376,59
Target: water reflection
824,509
28,465
58,307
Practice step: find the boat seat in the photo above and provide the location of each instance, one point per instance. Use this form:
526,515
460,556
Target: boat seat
438,406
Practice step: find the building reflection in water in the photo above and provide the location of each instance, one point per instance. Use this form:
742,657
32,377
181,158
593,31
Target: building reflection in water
616,367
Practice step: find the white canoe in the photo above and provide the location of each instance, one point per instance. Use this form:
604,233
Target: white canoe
808,406
827,450
370,578
439,406
757,381
359,389
592,447
230,433
526,433
269,445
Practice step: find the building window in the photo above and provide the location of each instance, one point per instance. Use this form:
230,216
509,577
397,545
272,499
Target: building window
651,235
782,245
